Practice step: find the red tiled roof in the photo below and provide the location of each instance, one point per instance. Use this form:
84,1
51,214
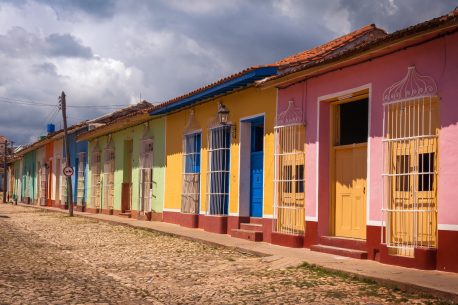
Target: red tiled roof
367,33
339,54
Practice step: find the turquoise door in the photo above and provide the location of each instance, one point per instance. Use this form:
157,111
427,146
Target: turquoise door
256,168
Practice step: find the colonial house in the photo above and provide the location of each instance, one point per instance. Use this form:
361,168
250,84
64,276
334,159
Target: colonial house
371,135
126,164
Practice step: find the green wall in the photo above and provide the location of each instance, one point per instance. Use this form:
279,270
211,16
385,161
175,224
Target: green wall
135,133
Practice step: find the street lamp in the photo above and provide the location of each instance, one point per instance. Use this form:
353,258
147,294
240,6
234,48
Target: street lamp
223,114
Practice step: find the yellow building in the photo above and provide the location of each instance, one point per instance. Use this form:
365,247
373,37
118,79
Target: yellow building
220,156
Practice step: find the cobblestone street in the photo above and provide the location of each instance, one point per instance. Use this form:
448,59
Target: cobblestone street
49,258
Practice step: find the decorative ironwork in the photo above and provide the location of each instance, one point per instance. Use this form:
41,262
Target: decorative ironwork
292,115
410,172
191,124
413,85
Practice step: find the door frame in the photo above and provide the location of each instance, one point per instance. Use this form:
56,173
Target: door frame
340,97
244,197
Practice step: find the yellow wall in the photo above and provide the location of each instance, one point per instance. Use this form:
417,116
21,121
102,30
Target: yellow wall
245,103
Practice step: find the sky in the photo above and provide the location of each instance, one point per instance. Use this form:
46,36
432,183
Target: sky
107,54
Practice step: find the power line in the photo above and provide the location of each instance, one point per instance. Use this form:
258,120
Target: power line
33,103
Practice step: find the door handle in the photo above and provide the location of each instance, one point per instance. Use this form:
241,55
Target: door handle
364,190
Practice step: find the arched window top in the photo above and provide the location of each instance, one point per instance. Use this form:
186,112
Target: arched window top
412,86
292,115
191,125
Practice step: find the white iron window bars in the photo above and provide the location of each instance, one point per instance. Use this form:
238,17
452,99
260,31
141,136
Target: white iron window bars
95,179
219,139
146,175
289,192
27,184
64,197
191,173
43,184
108,178
80,180
410,154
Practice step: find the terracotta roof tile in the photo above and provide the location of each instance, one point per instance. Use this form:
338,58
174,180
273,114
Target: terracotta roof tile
367,33
451,17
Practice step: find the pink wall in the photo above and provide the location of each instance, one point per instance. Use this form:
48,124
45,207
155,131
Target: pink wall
436,59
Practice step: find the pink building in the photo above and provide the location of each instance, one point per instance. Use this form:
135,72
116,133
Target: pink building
377,124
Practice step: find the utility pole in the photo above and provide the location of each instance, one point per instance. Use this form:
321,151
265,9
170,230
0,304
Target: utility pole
63,106
5,149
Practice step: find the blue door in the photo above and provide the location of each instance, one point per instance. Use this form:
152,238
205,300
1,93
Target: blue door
256,169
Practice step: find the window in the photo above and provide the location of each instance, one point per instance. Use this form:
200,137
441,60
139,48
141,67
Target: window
289,211
410,138
353,123
191,175
95,179
219,157
80,181
146,175
426,172
108,182
402,173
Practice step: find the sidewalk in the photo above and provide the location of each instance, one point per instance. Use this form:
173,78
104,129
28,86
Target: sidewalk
441,284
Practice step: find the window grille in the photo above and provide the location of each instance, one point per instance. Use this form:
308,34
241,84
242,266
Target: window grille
219,139
108,178
81,177
58,180
27,185
411,127
63,179
289,200
191,173
289,155
146,175
95,179
43,184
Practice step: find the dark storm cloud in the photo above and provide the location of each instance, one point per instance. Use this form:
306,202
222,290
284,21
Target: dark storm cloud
96,8
394,15
107,52
67,46
18,42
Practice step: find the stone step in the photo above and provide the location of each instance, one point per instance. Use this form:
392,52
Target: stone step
343,242
340,251
251,227
247,234
126,214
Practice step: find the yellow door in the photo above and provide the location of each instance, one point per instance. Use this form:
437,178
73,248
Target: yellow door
350,190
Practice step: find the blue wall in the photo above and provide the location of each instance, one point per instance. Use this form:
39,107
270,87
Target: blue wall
76,148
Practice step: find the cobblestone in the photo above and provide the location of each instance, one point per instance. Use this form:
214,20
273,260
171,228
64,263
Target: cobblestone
50,258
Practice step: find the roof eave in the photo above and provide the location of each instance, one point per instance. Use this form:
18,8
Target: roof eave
237,83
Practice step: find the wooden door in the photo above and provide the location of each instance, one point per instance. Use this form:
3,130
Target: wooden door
350,190
126,196
350,122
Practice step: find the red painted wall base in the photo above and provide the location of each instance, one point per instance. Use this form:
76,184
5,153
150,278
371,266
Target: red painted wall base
189,220
92,210
447,253
424,258
79,208
288,240
215,224
311,233
106,211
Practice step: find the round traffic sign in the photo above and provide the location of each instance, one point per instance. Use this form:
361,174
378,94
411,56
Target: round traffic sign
68,171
